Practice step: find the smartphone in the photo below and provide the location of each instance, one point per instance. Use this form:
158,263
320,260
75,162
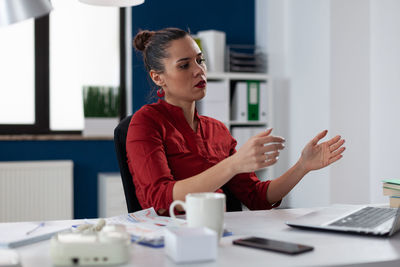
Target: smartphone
274,245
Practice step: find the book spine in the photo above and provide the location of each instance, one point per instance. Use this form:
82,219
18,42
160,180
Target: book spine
394,202
391,192
391,186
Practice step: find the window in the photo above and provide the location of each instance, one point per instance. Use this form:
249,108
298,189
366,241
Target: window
46,62
84,50
17,105
35,64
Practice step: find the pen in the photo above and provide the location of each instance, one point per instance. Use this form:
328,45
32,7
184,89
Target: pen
34,229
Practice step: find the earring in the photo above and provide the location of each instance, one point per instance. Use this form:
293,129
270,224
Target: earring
160,92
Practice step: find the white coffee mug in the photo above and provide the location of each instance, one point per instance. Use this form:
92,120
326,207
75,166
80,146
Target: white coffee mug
203,210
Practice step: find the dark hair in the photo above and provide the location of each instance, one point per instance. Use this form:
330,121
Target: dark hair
153,45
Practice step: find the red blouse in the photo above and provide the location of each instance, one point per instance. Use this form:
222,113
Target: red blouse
162,148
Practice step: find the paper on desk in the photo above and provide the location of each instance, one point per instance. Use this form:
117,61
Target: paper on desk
147,227
145,224
15,234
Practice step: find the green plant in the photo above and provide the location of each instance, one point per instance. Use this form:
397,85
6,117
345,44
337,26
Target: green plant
101,101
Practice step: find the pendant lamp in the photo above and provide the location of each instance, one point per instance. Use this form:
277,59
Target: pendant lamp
12,11
116,3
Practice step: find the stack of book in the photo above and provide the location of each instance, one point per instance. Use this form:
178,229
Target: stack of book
391,188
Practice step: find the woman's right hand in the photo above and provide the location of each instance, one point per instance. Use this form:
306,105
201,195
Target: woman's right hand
260,151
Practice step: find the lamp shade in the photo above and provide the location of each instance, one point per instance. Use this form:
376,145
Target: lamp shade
117,3
12,11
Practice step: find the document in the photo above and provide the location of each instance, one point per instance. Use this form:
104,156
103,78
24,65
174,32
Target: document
145,226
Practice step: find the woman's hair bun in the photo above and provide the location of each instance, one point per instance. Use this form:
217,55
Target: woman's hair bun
142,38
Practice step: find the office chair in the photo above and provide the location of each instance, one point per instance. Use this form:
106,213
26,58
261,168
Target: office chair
120,132
120,148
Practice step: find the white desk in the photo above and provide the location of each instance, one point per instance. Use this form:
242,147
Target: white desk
330,249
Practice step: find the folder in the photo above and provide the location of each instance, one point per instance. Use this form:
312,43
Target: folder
253,100
239,103
264,105
215,103
243,134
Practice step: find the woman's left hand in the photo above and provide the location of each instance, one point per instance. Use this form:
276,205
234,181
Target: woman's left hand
316,156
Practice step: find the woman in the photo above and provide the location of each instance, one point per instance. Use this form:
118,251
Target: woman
173,151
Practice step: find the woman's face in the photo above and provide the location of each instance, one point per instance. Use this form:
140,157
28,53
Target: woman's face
184,77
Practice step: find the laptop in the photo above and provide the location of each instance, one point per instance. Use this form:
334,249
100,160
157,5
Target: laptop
380,221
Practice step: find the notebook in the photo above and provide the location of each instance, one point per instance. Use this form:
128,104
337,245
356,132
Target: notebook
381,221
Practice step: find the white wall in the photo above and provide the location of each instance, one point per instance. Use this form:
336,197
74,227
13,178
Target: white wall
340,61
384,94
298,53
349,96
308,69
271,36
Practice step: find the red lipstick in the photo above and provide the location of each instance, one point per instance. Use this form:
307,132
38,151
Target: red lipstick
201,84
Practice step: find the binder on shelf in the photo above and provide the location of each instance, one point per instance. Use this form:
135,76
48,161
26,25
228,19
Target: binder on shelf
242,134
263,107
239,103
215,103
253,97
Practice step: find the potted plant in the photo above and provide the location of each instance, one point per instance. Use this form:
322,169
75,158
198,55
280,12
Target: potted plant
101,110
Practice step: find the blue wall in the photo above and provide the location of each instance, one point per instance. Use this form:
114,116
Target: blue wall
235,17
89,157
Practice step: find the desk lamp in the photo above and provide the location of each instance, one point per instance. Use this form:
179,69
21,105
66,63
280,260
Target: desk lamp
12,11
116,3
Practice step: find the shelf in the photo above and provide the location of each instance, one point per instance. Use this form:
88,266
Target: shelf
222,88
247,123
237,76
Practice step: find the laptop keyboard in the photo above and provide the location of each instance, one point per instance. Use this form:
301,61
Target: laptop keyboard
368,217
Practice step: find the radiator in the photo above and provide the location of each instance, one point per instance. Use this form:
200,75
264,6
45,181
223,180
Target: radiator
36,190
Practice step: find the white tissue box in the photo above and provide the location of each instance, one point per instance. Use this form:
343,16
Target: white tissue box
186,244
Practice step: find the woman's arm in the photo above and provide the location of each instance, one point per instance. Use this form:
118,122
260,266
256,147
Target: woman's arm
313,157
250,157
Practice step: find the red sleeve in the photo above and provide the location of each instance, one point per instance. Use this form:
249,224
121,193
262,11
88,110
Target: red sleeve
249,189
148,163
